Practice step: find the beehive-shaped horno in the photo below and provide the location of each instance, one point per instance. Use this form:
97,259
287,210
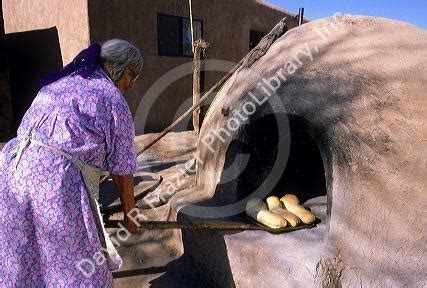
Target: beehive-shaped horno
358,86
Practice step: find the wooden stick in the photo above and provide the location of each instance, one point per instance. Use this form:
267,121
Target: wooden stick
210,225
217,225
200,47
188,112
246,62
182,117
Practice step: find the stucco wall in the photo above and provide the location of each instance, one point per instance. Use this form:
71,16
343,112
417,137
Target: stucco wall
360,90
70,17
226,26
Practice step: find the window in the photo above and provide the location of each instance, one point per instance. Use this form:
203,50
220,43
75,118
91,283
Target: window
254,38
174,35
168,35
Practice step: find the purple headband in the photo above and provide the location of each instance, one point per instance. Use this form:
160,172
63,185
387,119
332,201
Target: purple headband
84,64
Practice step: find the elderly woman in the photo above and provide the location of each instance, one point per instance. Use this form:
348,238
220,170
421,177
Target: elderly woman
78,125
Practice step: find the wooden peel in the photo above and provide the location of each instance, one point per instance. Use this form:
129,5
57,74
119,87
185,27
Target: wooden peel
210,225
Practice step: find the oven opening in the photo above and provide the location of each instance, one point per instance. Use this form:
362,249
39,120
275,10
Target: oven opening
254,161
304,175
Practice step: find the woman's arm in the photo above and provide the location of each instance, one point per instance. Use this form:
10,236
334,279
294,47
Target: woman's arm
124,186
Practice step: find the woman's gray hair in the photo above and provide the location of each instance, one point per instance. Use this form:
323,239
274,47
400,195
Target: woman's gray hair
122,54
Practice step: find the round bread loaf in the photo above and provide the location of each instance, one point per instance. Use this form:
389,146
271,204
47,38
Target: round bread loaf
289,199
273,202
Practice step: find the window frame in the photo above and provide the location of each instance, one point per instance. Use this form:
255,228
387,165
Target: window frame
181,32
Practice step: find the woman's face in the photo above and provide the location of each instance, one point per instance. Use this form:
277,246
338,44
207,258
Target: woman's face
128,78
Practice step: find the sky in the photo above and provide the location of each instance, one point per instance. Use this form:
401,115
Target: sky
412,11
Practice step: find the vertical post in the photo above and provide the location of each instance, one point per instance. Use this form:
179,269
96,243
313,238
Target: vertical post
199,48
301,16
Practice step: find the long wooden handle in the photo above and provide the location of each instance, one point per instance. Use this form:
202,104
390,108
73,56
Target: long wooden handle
157,137
210,225
222,225
247,61
190,110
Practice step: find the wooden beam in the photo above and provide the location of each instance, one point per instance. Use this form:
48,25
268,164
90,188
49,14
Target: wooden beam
199,49
210,225
245,63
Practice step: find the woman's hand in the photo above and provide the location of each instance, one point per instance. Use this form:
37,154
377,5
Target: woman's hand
124,187
130,225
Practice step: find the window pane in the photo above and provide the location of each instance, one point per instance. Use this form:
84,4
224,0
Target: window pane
186,35
169,35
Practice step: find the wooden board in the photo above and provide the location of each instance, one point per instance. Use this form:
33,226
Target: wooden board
212,225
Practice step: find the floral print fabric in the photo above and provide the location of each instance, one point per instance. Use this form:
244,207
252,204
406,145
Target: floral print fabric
46,224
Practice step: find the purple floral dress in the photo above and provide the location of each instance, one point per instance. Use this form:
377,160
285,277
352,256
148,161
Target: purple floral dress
46,225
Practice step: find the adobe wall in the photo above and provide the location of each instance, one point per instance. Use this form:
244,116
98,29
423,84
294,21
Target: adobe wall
69,17
226,26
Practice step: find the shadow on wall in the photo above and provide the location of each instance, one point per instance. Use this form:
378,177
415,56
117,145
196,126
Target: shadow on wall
31,55
5,103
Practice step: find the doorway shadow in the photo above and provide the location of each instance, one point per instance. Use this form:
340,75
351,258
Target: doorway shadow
31,55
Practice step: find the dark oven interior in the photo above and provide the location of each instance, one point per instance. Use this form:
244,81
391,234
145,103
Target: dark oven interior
250,158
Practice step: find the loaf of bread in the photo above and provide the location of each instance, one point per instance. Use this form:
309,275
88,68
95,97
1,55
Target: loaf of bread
270,219
253,206
289,199
257,210
306,216
293,220
273,202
